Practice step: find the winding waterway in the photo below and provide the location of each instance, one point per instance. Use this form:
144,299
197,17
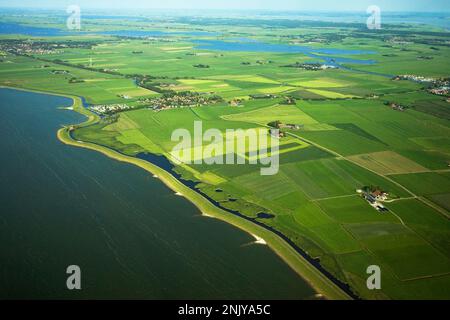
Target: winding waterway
131,236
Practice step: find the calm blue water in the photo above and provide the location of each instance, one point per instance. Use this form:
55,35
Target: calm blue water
14,28
256,46
328,55
131,236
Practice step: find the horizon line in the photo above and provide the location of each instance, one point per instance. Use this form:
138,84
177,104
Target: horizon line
218,9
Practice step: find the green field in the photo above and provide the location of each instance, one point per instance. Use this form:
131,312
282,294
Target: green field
347,135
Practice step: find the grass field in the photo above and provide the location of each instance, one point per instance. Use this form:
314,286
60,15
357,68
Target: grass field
388,162
347,138
425,183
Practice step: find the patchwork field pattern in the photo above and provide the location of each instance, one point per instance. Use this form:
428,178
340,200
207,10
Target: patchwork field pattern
339,135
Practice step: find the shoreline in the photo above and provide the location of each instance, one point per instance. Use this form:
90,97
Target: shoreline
307,271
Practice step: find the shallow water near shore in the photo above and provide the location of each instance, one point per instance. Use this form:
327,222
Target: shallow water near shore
131,235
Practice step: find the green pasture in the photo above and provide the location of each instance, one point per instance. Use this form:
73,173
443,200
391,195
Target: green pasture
348,137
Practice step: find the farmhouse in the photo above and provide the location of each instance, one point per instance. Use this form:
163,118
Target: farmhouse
289,101
235,102
396,106
374,196
379,195
277,133
442,91
374,203
279,125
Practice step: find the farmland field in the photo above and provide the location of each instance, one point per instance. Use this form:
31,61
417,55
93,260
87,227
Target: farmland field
346,122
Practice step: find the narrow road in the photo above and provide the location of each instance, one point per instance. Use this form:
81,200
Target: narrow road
441,210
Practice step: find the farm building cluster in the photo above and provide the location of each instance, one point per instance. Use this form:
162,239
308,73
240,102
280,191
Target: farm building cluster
374,196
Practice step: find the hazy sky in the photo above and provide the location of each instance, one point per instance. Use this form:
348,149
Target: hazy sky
317,5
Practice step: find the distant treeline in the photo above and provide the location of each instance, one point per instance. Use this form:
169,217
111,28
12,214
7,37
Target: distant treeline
286,23
53,45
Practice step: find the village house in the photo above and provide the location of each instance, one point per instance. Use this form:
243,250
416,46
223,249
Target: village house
105,109
442,91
